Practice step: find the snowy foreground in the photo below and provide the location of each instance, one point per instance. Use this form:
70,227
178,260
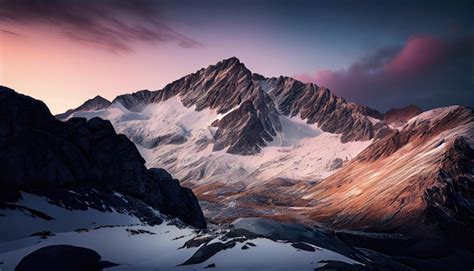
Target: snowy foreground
124,240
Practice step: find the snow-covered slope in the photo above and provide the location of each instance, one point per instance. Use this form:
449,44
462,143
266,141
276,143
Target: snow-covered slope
124,239
185,140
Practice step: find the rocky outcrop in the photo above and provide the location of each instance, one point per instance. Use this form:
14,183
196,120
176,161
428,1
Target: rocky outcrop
135,101
246,129
334,164
42,153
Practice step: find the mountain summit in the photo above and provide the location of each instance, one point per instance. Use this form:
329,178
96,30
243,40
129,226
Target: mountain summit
229,86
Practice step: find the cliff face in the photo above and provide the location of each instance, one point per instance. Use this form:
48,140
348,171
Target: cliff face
42,153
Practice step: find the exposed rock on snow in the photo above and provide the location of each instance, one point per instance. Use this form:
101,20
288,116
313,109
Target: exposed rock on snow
207,251
303,246
334,164
123,239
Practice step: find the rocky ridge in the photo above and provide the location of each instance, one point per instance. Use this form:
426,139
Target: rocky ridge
229,86
96,103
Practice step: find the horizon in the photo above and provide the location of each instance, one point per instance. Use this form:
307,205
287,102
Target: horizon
152,90
383,56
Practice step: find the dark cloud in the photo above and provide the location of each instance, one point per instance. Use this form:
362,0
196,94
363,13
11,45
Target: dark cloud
115,24
427,71
11,33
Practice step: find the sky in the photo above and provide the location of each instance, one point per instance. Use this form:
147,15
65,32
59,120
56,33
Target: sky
382,54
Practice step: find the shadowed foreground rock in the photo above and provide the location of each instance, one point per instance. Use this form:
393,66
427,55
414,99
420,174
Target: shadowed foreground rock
63,257
40,153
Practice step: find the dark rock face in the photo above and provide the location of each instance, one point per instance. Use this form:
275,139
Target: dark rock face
451,201
41,153
62,257
242,131
96,103
177,200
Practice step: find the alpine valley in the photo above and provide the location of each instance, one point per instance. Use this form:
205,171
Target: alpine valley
273,174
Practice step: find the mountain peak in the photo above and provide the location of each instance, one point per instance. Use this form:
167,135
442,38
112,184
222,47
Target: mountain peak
96,103
231,60
231,64
99,98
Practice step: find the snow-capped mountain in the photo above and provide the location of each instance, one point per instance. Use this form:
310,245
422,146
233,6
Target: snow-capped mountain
276,147
200,119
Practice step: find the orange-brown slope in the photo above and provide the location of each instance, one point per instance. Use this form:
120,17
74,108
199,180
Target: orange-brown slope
403,179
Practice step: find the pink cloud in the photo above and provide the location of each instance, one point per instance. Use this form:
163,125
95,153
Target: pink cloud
418,54
426,70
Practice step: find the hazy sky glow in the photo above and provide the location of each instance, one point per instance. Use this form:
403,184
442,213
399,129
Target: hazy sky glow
379,53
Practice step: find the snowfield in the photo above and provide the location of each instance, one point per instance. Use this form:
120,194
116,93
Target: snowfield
123,239
300,151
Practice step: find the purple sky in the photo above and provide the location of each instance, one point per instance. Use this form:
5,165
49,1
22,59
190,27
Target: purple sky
380,53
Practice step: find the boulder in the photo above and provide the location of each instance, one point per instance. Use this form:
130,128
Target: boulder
62,257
